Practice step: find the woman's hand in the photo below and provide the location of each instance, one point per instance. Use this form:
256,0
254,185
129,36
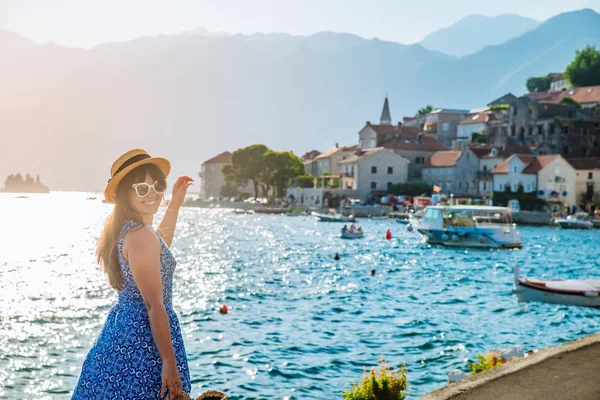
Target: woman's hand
171,381
179,190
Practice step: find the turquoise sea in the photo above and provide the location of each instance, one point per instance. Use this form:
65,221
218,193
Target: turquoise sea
300,325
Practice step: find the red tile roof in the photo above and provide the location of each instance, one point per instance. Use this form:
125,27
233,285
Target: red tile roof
533,164
415,142
482,151
585,163
334,150
582,95
479,118
310,155
538,163
222,158
508,150
385,130
442,159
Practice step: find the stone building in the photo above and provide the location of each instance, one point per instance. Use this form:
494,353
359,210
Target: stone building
443,123
477,122
566,129
408,142
440,170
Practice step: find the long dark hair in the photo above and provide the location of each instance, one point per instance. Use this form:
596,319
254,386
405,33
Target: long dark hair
106,250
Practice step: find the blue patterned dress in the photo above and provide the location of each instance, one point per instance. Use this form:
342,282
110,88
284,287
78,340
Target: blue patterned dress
124,362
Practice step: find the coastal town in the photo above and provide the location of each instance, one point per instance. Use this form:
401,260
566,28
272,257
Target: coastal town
541,149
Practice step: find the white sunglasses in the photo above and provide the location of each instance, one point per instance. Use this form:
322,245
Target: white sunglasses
143,189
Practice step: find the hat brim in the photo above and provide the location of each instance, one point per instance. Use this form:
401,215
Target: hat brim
110,193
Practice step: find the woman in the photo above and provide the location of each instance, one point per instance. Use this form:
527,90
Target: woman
139,353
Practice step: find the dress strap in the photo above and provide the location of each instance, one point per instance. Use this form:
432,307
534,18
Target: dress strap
129,225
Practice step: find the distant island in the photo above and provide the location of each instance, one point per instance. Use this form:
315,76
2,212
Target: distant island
16,184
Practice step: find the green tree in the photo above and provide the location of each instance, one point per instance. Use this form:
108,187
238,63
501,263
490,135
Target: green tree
228,190
569,102
479,137
305,181
584,70
284,167
425,110
416,188
539,83
246,165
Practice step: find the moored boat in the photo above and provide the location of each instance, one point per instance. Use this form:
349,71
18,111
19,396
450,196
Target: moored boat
333,217
583,293
403,219
580,220
469,226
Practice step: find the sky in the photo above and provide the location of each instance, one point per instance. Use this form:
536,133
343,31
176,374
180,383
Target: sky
86,23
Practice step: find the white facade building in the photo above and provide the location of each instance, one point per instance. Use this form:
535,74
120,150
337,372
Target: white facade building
588,180
372,171
550,176
211,175
474,123
329,161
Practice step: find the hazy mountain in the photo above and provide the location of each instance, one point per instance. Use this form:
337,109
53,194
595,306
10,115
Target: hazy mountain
200,30
474,32
66,114
496,70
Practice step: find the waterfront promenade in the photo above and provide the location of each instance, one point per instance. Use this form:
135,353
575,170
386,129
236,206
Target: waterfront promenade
568,371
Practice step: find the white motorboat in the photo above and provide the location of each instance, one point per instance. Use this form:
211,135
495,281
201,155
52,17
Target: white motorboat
403,219
469,226
333,217
352,234
580,220
583,293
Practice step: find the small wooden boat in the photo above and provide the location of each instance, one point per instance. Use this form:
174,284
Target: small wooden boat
583,293
352,235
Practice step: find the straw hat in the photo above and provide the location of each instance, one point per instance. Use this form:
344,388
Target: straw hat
208,395
128,162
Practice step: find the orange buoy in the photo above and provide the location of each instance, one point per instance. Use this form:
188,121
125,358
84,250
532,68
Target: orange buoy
388,234
223,309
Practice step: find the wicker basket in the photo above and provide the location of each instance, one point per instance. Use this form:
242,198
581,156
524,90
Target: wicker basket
208,395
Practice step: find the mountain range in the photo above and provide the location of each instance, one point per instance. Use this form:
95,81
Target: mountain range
67,113
474,32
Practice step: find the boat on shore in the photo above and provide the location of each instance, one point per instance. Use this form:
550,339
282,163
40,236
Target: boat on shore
583,293
333,217
469,226
581,220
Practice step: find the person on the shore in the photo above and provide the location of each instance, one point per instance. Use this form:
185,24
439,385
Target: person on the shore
139,353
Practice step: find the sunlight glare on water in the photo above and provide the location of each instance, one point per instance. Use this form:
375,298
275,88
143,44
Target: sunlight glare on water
300,325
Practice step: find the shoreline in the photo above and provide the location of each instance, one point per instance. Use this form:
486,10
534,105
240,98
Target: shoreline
566,371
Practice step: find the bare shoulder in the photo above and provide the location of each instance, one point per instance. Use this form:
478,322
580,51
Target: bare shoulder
141,239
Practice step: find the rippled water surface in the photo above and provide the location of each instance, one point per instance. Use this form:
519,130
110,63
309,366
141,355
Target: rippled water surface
301,325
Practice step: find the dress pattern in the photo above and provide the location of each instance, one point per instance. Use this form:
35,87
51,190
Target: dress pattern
124,362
